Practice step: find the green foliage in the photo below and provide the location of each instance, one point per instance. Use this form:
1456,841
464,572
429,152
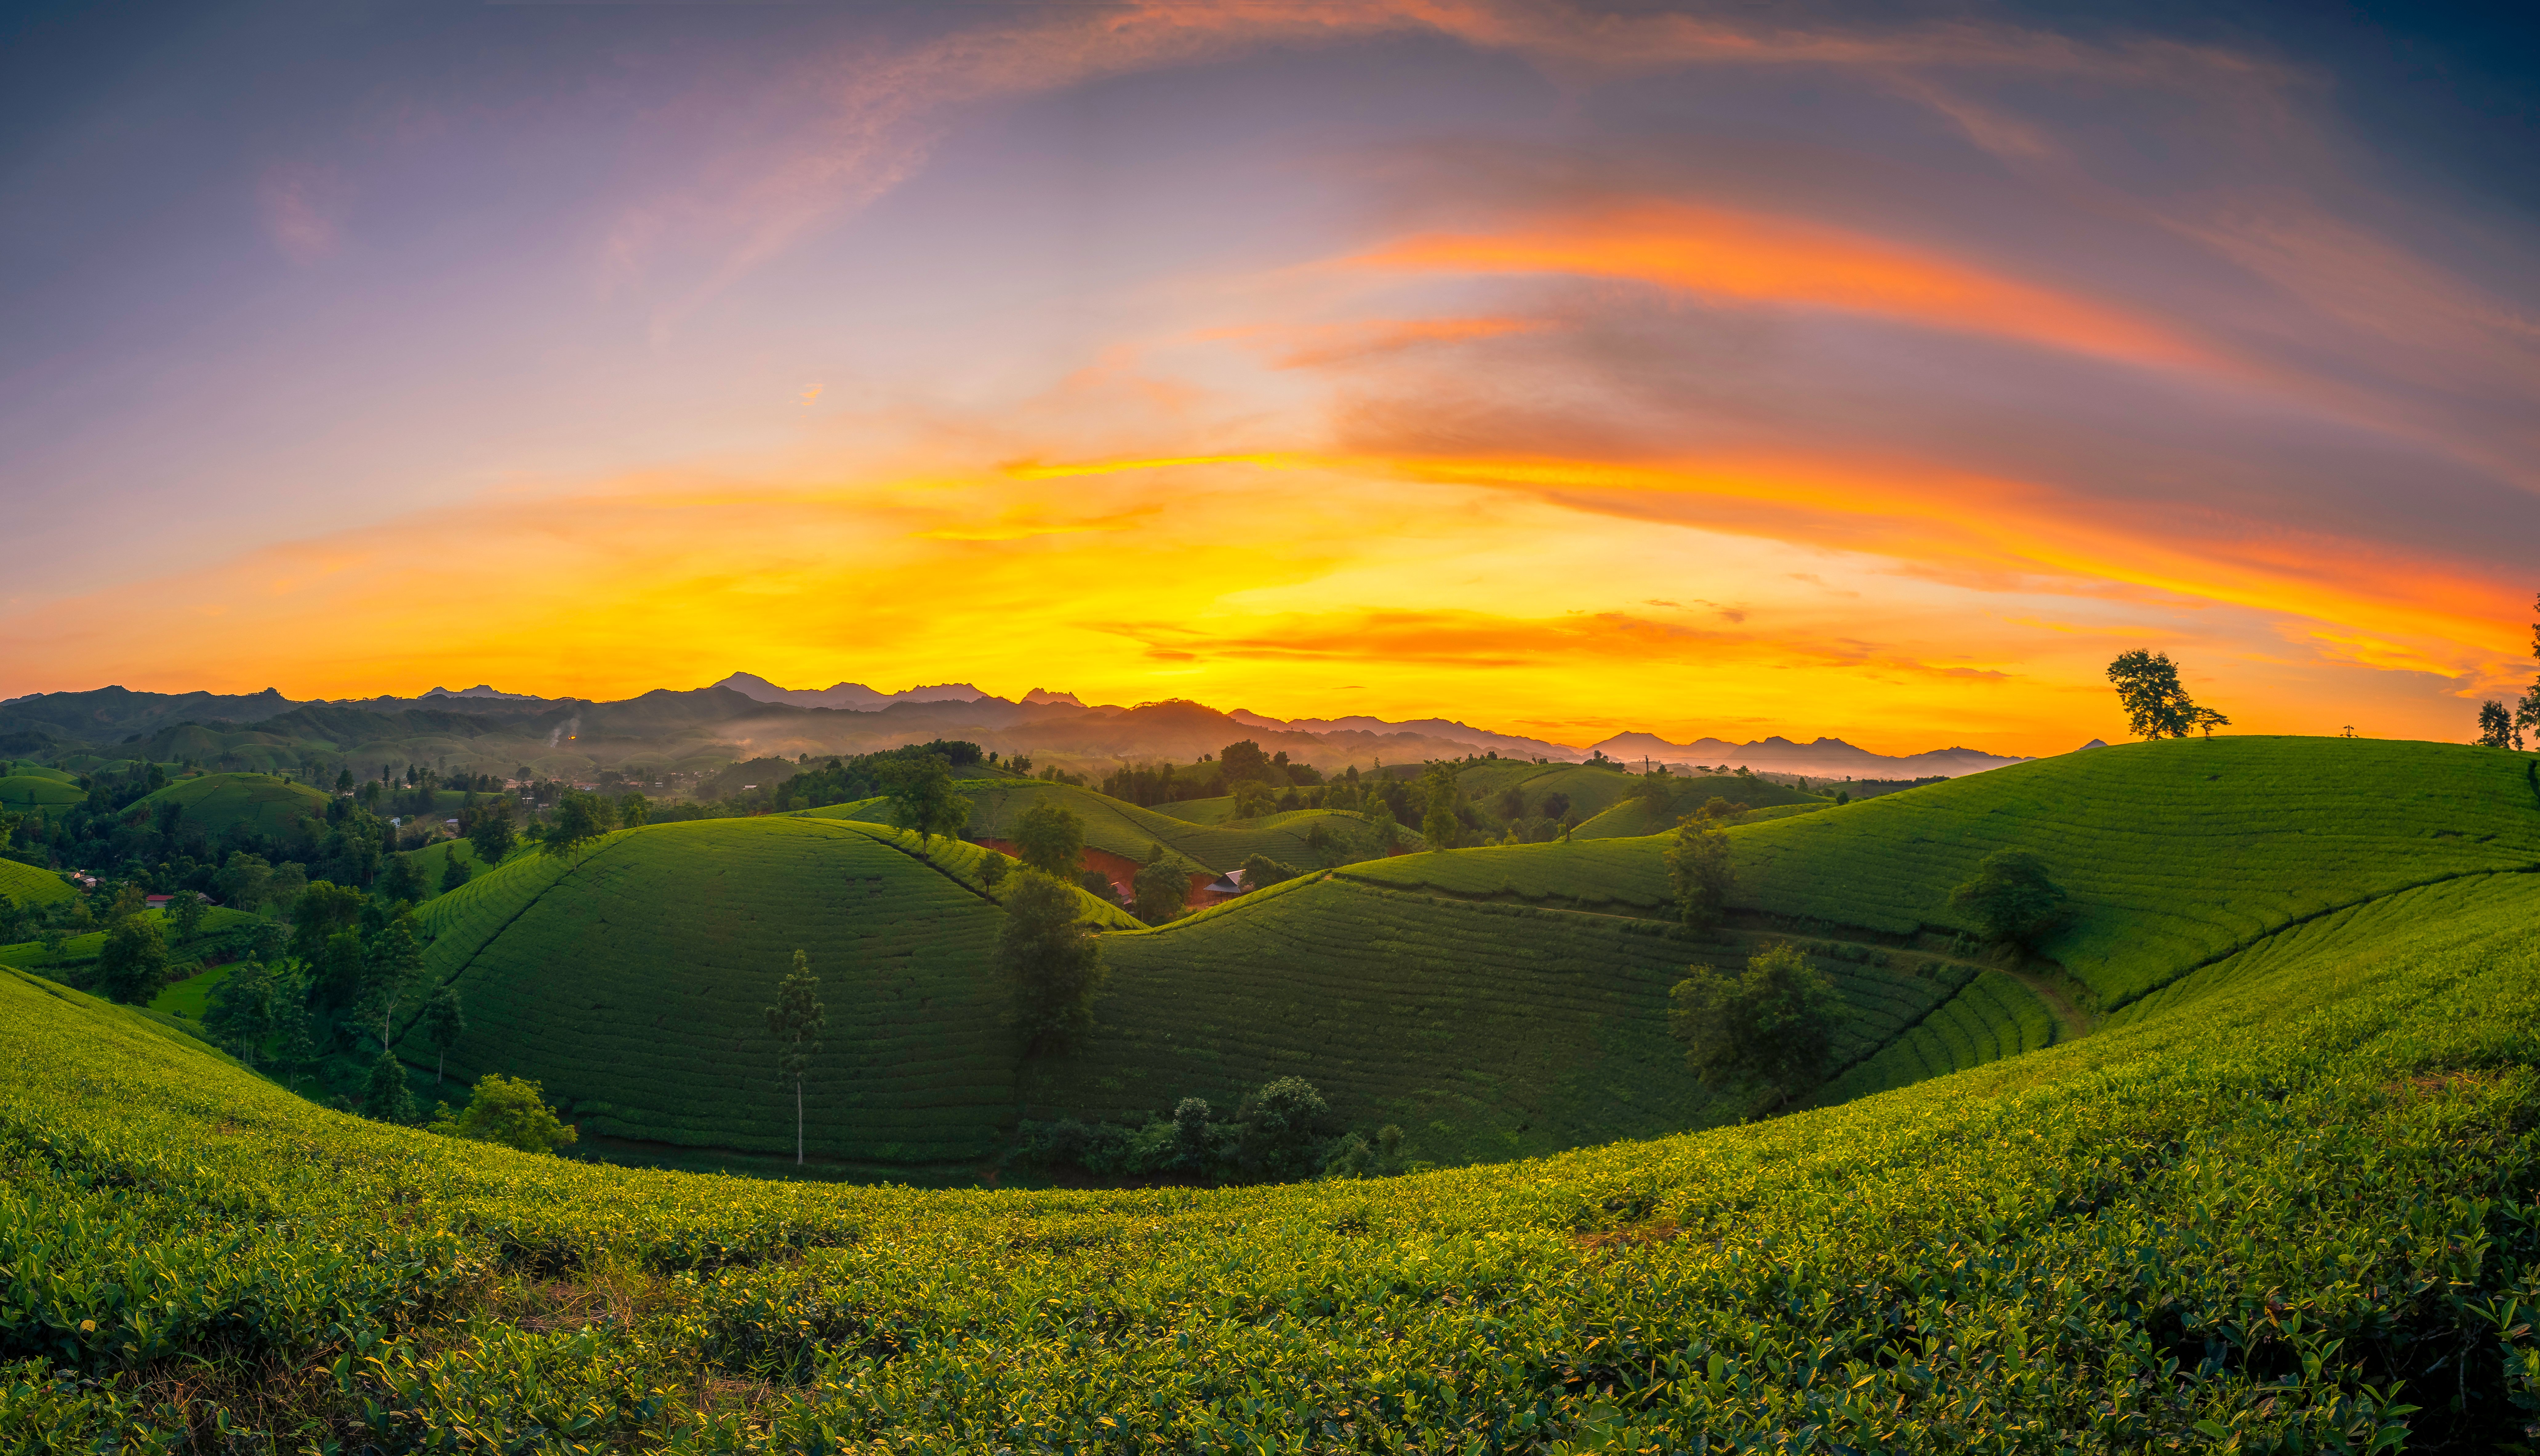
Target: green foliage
187,908
920,791
1160,890
212,805
320,912
444,1020
1261,871
633,810
385,1093
794,1023
489,831
507,1112
2495,726
1050,839
134,963
1439,826
576,819
2012,898
1252,799
1772,1024
1052,962
1700,873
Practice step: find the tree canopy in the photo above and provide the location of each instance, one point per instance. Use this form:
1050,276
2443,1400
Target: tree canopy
508,1111
2156,704
2012,898
1051,838
1053,962
1773,1025
920,788
1699,872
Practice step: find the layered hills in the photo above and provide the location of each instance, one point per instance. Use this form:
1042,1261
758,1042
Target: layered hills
2274,1196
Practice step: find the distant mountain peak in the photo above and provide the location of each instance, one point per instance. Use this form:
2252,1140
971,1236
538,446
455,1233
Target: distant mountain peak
853,696
1042,695
480,690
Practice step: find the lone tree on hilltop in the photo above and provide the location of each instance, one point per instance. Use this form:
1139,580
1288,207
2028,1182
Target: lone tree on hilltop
797,1021
2156,705
444,1022
1773,1025
1051,838
920,788
1052,960
1697,861
1238,762
2012,898
2495,728
506,1112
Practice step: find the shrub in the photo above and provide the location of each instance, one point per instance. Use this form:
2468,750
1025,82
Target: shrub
2012,898
507,1112
1773,1025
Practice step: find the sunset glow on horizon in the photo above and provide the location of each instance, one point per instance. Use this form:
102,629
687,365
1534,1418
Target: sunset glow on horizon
1562,371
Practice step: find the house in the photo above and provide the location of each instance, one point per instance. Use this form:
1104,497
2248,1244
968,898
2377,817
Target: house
160,902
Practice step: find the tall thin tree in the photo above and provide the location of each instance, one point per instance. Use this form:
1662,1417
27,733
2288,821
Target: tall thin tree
796,1021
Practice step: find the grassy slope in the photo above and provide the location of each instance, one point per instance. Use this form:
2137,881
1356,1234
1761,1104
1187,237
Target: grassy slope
1633,817
30,792
632,979
2253,1209
26,885
216,802
41,771
222,929
1128,830
1484,1031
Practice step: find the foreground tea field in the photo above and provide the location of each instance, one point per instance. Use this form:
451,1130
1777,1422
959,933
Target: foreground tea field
2286,1210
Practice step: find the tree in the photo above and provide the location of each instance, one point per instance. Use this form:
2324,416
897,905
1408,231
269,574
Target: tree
1099,885
443,1024
1261,871
1252,800
797,1021
454,873
633,810
489,832
400,882
240,1012
1241,762
507,1112
1284,1125
1556,805
2495,727
391,957
1051,838
318,911
993,869
579,818
1438,822
1698,869
134,964
1052,962
187,908
1773,1025
384,1094
920,788
298,1051
2012,898
2147,688
2207,721
244,882
1158,892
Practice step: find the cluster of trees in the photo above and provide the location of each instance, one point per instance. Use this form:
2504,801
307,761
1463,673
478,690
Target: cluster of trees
1281,1131
1242,770
2500,728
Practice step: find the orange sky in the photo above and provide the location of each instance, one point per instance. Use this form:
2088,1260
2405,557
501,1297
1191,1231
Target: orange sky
1408,360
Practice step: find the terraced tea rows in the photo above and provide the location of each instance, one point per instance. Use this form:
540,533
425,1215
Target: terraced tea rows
630,979
2174,852
2307,1166
215,802
1485,1031
1131,832
27,885
22,791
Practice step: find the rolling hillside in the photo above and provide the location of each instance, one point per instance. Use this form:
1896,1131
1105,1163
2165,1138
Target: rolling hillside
217,802
1131,832
27,885
631,980
2278,1205
24,790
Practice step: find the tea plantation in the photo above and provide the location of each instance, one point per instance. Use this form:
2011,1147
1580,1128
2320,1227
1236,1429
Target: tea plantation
1125,829
214,802
27,885
24,790
631,979
2286,1205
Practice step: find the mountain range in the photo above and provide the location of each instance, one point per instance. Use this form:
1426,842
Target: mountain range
745,716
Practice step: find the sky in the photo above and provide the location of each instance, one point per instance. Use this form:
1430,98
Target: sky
1877,372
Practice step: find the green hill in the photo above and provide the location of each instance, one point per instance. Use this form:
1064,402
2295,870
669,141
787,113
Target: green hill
2282,1205
631,980
27,885
215,802
1124,829
23,791
1485,1031
24,770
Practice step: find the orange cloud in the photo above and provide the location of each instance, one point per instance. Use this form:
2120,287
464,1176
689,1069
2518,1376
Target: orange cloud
1753,259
